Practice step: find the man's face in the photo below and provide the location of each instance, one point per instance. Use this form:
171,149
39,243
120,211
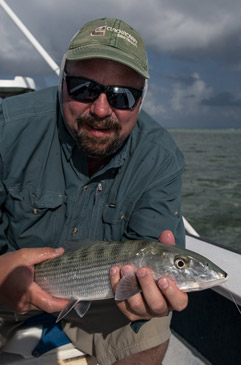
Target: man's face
98,128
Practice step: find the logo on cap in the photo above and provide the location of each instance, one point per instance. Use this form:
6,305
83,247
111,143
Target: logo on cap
99,31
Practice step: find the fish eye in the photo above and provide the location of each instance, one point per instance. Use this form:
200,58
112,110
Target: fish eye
181,263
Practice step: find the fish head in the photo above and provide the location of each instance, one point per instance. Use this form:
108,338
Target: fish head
189,270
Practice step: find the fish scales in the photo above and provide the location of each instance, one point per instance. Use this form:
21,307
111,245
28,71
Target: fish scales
83,273
77,272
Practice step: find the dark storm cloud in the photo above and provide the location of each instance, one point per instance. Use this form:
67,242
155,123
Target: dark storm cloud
181,30
185,28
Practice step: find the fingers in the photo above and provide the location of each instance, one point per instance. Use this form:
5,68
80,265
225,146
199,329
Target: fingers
127,306
44,301
18,290
115,277
32,256
167,238
37,299
155,300
156,303
145,305
177,300
163,297
136,304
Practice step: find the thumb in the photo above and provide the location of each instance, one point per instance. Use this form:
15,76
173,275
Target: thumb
167,238
36,255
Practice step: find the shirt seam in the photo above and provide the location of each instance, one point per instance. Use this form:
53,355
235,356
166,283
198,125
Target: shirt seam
8,119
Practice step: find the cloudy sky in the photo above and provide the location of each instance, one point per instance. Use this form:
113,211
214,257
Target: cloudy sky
194,50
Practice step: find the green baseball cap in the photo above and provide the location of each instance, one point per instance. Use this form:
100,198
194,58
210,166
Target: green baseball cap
110,39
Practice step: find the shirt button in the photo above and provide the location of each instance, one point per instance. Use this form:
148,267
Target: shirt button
75,230
176,212
85,187
122,216
35,211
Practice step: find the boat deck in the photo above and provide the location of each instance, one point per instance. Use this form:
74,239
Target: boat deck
180,352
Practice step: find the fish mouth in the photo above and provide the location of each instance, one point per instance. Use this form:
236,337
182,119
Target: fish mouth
213,283
197,286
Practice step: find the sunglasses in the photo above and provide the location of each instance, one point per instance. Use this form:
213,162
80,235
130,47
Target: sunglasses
87,91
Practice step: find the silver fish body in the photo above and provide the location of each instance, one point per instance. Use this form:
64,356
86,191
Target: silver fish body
81,274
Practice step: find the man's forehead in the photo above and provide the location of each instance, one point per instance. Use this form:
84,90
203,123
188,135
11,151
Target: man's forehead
100,65
95,62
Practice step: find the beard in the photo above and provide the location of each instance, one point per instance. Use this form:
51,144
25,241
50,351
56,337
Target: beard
98,146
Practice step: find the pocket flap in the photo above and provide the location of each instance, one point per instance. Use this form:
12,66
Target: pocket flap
37,198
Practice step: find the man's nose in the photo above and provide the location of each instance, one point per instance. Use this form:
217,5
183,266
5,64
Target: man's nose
101,107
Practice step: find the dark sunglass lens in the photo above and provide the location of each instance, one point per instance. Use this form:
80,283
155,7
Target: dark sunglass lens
122,98
82,90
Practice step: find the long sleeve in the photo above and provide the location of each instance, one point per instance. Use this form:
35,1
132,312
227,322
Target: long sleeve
3,221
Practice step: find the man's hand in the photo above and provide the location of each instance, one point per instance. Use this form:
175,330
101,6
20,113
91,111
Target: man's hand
156,299
18,291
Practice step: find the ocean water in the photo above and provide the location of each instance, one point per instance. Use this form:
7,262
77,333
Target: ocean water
211,199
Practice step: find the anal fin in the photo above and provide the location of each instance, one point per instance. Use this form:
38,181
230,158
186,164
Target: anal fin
81,307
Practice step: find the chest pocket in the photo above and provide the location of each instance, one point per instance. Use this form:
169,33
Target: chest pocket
34,216
115,218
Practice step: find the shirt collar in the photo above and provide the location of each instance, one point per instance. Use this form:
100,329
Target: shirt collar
66,140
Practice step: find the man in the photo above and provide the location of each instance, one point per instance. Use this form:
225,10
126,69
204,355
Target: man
91,167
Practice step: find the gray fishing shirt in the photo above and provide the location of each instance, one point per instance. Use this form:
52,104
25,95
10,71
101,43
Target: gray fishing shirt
47,197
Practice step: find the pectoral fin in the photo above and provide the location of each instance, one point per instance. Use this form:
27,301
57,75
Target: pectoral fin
127,287
81,307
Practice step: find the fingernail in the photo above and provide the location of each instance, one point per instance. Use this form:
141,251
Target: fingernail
125,270
59,250
163,283
113,271
141,273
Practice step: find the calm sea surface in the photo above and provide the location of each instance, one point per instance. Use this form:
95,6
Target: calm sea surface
211,199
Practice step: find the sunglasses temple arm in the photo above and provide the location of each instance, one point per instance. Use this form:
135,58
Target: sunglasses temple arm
144,93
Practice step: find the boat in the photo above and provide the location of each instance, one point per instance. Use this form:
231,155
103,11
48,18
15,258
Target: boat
19,85
206,332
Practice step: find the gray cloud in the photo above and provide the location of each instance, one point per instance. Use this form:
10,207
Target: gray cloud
184,30
190,102
185,79
223,99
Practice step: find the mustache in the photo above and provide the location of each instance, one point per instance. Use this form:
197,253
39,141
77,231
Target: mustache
105,123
